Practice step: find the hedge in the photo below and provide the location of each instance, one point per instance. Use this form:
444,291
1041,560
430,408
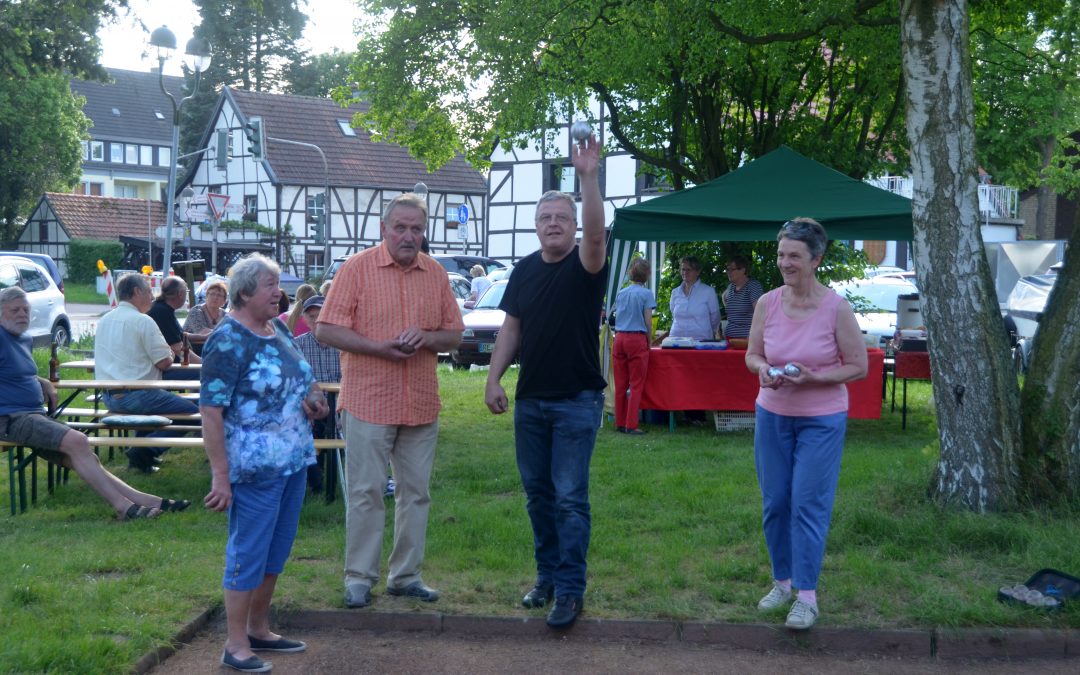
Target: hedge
83,255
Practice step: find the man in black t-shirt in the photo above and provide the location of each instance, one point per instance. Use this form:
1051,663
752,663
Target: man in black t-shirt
552,306
174,292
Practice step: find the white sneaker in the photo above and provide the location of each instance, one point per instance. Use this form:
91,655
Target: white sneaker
802,615
776,597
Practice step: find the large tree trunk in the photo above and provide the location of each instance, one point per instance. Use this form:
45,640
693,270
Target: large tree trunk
975,389
1044,227
1051,398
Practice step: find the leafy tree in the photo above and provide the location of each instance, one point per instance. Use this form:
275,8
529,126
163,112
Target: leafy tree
319,75
254,43
40,38
41,124
1028,99
687,89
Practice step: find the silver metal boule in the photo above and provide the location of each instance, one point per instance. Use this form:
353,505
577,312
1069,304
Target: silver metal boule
775,372
791,370
580,130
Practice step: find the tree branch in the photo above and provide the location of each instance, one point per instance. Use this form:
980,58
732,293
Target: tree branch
856,17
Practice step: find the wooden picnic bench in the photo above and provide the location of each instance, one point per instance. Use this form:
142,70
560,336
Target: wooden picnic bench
20,458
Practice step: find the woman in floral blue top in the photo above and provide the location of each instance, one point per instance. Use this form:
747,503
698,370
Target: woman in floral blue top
257,397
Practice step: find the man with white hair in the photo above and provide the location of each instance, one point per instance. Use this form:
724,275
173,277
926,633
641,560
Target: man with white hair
128,346
23,421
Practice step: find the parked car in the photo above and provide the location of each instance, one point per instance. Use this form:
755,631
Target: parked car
48,315
463,264
482,326
334,267
44,261
461,289
878,270
1023,309
874,301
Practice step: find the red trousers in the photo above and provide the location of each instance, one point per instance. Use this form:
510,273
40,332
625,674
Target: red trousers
631,357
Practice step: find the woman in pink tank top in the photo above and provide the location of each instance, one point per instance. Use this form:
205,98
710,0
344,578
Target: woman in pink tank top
805,345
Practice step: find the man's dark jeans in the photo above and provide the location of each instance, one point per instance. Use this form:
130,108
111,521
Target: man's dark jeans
555,440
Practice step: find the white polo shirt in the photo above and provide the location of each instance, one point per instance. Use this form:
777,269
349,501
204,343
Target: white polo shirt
127,345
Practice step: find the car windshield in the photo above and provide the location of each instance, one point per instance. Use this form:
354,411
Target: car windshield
491,298
881,297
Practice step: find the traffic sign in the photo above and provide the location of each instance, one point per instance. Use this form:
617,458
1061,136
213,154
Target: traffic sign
463,233
463,214
217,203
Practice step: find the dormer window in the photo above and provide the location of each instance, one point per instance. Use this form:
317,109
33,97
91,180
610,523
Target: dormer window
346,128
116,112
159,115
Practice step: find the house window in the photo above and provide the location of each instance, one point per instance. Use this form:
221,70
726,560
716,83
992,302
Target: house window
561,177
91,189
85,150
164,155
131,154
125,191
251,206
146,155
313,209
43,231
116,153
649,183
158,114
97,151
346,128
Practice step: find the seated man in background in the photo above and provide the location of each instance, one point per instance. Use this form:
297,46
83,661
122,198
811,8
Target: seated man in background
128,346
325,362
23,421
174,292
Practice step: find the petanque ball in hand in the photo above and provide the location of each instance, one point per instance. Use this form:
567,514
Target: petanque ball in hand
406,348
775,372
580,130
791,370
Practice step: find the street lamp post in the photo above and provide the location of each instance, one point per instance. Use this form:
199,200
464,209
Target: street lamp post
199,53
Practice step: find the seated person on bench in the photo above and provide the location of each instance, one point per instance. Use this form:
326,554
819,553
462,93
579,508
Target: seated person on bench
174,292
128,346
23,421
325,362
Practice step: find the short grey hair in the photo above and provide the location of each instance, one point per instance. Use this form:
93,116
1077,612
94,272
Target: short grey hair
808,231
244,277
11,293
410,199
173,286
129,283
555,196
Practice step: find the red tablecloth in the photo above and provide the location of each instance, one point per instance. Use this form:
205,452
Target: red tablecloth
912,365
703,379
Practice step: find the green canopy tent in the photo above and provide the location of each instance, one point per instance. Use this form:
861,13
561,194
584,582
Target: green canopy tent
751,203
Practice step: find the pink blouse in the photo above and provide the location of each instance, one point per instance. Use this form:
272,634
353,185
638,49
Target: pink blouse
810,341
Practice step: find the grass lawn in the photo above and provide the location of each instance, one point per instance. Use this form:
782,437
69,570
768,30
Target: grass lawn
84,294
676,535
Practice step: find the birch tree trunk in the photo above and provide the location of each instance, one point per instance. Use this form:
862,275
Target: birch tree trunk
975,390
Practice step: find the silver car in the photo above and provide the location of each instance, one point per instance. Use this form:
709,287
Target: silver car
48,316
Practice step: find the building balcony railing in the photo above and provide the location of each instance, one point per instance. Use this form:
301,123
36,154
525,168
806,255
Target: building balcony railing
996,202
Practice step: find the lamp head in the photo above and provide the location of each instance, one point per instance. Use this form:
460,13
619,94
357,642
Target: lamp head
165,41
420,189
198,53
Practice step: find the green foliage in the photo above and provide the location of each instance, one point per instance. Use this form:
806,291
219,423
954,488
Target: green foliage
841,262
686,95
254,41
1027,88
318,75
41,124
60,36
83,255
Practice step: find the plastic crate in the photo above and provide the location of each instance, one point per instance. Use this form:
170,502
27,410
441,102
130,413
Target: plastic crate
734,421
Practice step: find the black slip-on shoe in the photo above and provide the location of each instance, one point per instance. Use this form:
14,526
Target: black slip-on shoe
565,611
357,595
278,645
252,664
541,594
417,590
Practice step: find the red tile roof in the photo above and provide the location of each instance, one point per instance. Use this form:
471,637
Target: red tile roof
105,218
353,161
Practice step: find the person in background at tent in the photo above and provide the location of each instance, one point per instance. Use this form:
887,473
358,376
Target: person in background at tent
740,297
801,414
695,313
634,306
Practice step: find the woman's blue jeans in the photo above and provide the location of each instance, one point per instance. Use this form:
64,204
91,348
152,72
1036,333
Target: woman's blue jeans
555,439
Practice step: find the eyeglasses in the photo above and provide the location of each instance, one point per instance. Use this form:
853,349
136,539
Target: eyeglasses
559,218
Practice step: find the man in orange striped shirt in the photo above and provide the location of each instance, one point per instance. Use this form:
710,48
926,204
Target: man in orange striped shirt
390,312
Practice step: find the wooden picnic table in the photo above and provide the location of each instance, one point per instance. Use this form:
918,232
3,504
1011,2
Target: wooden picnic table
88,365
